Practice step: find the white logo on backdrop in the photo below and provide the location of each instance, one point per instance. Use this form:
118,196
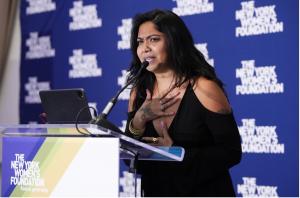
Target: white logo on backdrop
27,174
84,17
250,189
255,21
124,31
83,66
127,183
191,7
257,80
202,47
123,127
33,87
121,82
259,139
39,47
39,6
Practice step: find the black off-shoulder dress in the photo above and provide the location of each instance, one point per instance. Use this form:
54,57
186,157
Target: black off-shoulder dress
212,146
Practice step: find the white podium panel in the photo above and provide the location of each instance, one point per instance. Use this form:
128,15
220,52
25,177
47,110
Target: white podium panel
60,166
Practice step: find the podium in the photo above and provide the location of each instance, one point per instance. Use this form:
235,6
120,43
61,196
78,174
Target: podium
56,160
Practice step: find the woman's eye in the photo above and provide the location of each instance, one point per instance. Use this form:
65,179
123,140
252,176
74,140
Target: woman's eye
139,42
154,39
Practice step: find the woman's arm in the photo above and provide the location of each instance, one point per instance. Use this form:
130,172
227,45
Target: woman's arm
226,150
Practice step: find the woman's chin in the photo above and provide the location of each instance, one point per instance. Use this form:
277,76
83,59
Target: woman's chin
151,67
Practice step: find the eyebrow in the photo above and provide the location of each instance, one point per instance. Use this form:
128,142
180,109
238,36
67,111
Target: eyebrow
149,36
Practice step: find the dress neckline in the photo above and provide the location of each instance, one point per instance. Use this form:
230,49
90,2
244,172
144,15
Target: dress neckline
178,111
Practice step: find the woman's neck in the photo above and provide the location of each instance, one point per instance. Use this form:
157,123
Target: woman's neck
165,76
164,81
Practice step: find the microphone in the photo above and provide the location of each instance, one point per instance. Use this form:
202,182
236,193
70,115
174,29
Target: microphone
101,119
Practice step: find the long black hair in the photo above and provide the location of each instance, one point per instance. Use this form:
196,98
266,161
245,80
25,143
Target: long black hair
185,59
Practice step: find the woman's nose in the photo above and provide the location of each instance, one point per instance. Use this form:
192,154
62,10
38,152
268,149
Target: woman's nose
146,47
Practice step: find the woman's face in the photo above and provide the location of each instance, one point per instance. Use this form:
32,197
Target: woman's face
152,47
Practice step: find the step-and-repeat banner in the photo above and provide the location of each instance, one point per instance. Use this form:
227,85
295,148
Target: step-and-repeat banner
253,46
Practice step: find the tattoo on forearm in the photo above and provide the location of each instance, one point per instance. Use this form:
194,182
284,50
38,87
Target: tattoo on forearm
143,117
147,113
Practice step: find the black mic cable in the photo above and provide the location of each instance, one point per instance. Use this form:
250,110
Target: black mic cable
113,101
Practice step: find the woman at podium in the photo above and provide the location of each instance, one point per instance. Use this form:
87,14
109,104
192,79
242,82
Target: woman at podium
179,101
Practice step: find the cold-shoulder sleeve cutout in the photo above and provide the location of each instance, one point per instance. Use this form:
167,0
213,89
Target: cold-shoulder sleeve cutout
211,96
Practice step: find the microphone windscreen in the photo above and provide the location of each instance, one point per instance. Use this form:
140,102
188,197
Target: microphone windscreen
145,64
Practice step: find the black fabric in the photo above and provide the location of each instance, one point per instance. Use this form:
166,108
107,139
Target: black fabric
212,145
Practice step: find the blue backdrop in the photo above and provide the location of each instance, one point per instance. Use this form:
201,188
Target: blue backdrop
253,46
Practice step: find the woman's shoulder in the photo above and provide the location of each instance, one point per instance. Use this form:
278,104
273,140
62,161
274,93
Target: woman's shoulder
211,95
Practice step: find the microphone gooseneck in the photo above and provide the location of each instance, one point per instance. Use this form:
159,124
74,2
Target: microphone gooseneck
101,119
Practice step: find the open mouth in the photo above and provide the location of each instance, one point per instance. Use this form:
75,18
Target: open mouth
149,59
